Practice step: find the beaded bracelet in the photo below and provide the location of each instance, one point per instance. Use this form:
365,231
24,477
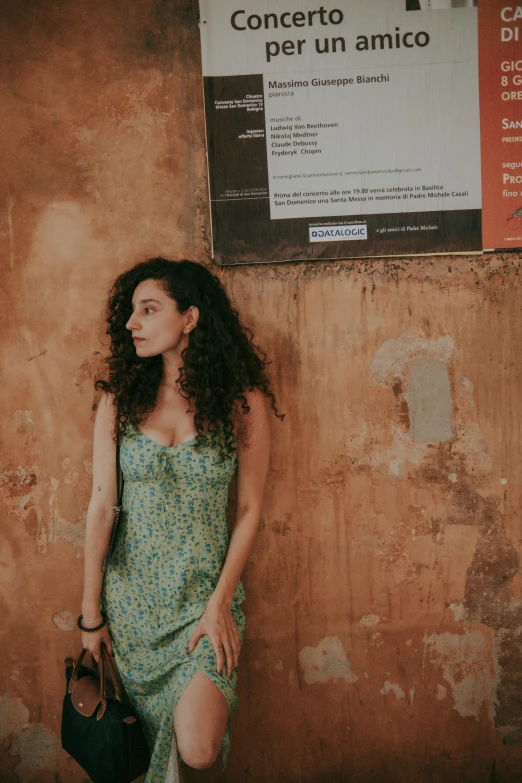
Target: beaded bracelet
91,630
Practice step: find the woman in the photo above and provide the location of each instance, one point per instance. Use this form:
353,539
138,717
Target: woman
187,390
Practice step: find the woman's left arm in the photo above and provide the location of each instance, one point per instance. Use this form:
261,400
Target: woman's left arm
253,453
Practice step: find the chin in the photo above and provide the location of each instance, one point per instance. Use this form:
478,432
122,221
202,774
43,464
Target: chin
144,351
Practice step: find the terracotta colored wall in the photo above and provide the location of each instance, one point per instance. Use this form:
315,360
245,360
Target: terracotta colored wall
384,595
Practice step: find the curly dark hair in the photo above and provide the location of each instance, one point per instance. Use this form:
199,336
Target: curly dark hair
220,363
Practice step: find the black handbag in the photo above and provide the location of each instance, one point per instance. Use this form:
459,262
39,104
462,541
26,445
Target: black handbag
99,728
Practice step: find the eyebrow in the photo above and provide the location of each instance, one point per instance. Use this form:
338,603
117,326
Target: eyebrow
144,301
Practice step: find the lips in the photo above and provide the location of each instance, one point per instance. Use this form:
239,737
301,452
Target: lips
138,339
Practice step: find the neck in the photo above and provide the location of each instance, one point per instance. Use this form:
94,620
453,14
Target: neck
172,364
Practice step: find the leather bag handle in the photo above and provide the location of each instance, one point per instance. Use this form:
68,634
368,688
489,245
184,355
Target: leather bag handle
103,687
90,693
104,670
105,661
113,674
76,668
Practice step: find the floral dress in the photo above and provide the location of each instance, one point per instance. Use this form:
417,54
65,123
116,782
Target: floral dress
171,545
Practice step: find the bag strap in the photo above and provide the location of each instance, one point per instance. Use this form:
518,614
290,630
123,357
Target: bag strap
111,671
76,668
103,686
119,474
119,496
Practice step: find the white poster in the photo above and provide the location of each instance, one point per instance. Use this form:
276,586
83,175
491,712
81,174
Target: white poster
341,130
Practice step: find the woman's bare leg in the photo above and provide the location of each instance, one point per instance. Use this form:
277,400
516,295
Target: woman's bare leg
200,722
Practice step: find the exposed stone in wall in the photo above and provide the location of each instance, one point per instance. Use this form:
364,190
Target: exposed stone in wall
65,620
456,465
393,687
14,716
38,749
489,600
433,441
326,662
36,746
370,619
434,411
429,401
74,533
463,661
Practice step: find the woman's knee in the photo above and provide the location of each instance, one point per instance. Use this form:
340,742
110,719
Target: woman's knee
199,756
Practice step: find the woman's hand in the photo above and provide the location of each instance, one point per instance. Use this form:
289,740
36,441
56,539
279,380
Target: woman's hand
92,642
217,623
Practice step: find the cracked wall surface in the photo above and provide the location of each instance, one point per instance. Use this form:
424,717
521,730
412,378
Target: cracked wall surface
384,614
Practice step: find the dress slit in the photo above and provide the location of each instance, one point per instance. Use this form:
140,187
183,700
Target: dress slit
172,771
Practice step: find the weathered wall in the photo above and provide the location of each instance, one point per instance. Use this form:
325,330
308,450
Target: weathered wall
384,595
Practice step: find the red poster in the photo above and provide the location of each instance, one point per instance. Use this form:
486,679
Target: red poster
500,73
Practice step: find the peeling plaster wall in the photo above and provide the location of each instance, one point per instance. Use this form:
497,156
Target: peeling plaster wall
384,592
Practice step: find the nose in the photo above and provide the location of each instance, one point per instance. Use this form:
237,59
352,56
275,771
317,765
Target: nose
132,322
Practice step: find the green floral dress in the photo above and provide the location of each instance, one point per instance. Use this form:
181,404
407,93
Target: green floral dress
171,545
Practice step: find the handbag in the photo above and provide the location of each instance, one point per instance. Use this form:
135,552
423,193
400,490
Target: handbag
117,507
99,728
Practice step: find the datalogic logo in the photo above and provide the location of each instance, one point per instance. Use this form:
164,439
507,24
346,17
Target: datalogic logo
338,233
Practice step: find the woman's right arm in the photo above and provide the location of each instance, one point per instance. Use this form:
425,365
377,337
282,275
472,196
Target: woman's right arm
100,516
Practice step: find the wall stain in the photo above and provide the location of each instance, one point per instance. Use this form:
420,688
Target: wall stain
326,662
392,687
458,475
14,716
64,620
463,659
38,749
489,600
